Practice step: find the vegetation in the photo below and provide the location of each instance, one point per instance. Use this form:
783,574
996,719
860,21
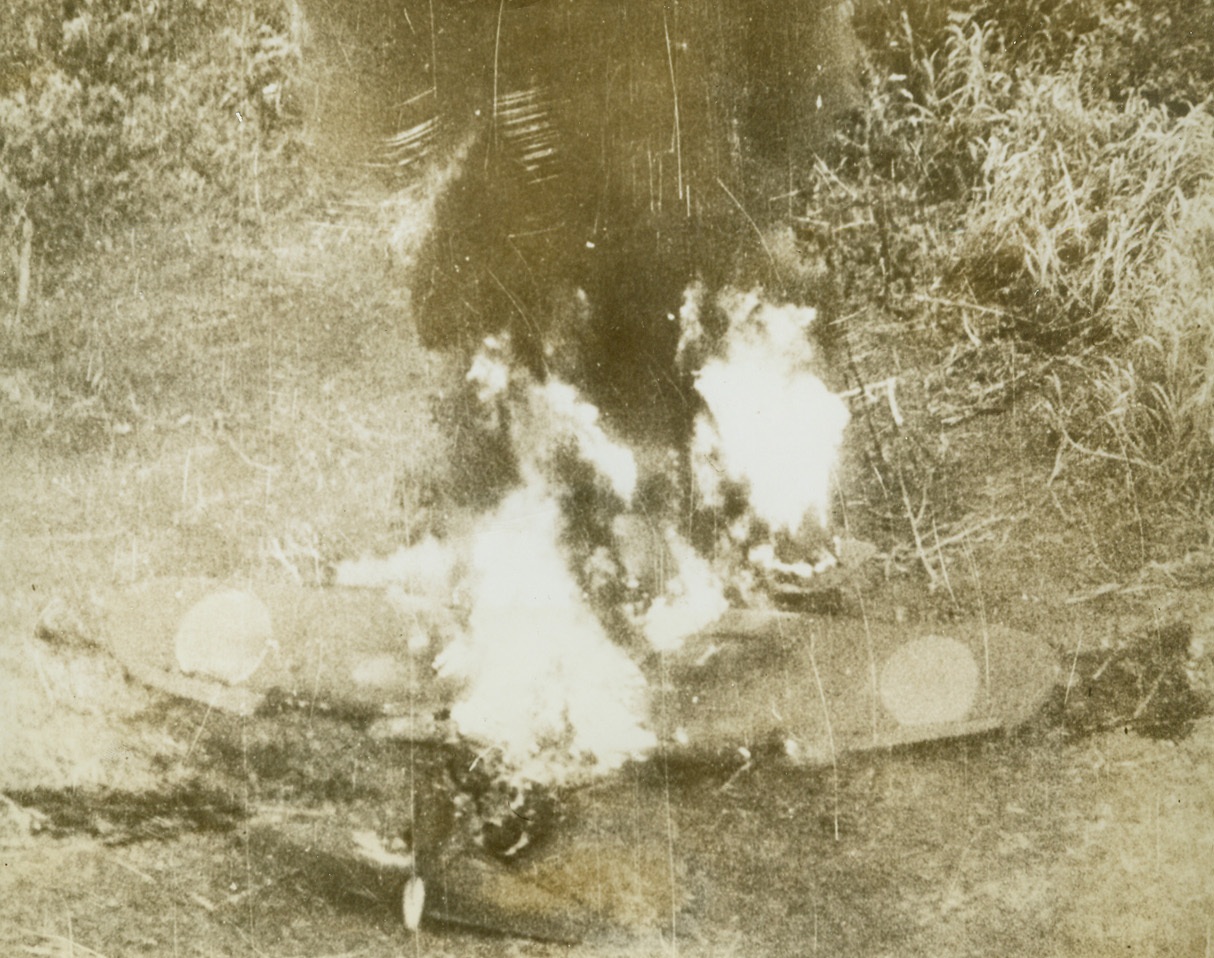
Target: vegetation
115,109
1021,212
1030,186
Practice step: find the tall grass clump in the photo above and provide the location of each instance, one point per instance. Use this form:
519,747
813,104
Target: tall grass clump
901,169
1082,232
927,104
1072,209
1037,174
1175,352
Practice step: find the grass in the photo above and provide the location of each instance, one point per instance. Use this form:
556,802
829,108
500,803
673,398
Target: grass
236,390
1030,240
1071,207
228,405
998,230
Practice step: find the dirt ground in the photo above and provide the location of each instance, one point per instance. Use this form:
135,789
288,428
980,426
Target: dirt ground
296,426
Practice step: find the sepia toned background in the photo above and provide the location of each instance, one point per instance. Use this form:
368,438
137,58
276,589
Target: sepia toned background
291,294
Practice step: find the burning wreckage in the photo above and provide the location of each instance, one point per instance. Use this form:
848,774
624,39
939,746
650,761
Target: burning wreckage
488,702
654,518
567,579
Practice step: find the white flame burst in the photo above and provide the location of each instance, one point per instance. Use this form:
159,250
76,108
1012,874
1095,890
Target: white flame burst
693,598
771,424
546,417
541,681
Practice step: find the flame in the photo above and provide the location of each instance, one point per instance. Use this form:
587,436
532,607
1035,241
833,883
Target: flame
543,681
771,424
547,417
424,569
693,598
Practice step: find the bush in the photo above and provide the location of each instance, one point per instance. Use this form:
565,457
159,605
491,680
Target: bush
1160,50
1176,343
108,110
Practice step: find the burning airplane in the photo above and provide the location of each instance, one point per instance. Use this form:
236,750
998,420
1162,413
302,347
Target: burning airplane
633,350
